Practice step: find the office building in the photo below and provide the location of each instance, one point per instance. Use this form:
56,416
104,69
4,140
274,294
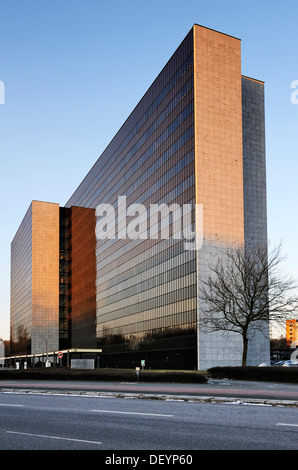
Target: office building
197,140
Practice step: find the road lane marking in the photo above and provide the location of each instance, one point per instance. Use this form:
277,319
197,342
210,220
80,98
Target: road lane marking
287,424
53,437
9,404
132,413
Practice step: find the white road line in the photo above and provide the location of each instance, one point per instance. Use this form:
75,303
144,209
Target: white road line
53,437
9,404
287,424
128,383
132,413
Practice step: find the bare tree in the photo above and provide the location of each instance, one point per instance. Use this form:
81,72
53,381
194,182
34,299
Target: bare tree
245,290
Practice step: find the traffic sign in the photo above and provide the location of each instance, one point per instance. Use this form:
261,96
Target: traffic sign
60,355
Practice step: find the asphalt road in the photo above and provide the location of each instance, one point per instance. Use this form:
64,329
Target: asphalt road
41,421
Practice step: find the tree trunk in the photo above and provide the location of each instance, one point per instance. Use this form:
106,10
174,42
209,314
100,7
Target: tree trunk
244,352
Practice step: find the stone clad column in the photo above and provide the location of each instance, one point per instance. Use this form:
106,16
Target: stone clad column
219,169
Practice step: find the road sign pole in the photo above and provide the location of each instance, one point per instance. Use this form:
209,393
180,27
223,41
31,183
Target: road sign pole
60,355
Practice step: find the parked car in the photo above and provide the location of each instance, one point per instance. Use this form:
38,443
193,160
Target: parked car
279,363
290,364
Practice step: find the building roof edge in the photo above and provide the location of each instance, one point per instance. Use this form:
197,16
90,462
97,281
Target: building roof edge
216,31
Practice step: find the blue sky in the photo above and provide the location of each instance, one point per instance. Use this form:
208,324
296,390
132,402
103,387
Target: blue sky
74,70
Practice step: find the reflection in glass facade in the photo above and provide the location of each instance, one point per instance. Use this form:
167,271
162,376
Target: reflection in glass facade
83,277
21,281
146,289
137,297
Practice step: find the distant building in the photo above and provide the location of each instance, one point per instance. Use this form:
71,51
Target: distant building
2,352
197,137
292,332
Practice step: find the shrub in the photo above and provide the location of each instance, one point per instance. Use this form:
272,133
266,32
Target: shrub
104,375
266,374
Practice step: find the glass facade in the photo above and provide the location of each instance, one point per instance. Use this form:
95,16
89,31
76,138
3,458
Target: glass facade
21,287
64,278
83,278
146,288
